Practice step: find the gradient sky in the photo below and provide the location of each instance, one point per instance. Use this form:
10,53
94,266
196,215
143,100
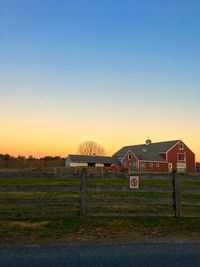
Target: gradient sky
111,71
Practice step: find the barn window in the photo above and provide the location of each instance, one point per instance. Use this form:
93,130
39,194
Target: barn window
129,156
181,146
150,164
157,165
143,165
181,156
133,164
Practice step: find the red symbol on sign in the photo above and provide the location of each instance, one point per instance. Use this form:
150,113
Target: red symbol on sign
134,182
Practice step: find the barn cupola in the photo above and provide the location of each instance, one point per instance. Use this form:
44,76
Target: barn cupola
148,141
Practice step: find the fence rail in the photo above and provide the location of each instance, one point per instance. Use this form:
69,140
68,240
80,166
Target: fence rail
39,188
65,201
94,194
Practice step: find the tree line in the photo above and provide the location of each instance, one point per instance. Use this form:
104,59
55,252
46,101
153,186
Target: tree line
87,148
8,161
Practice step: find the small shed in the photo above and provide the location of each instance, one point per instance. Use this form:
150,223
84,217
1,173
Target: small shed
90,161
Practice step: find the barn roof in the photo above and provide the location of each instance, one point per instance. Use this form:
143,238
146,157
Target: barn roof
150,152
93,159
149,156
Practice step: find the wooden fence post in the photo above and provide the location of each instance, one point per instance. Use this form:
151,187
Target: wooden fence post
83,204
176,195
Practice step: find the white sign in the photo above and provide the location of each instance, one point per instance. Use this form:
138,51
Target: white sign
134,182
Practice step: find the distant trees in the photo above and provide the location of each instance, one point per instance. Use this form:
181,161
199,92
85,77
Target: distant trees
20,162
51,158
5,160
91,148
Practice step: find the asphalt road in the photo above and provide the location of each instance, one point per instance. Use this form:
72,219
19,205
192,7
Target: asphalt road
136,254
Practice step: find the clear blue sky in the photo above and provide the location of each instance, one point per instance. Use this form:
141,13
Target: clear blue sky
70,65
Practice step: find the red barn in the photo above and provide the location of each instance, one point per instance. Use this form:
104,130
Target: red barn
158,157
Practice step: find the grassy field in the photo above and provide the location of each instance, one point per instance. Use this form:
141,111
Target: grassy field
44,229
91,207
101,229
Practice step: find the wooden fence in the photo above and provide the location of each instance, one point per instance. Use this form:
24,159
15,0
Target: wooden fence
99,195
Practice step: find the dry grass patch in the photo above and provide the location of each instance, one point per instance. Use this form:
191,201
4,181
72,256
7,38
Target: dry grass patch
28,225
98,229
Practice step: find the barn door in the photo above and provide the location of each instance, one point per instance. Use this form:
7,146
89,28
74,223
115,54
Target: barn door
170,167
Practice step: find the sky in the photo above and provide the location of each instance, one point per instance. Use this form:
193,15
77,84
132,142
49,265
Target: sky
111,71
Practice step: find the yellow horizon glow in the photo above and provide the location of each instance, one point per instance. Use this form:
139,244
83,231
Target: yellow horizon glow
60,137
39,150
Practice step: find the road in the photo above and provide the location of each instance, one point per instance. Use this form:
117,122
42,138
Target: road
135,254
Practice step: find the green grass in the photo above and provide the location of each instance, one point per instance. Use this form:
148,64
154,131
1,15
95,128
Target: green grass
133,194
186,183
190,196
38,195
136,209
98,229
155,209
125,182
191,209
28,207
75,181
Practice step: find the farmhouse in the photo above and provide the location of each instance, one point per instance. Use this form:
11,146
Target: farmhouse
90,161
157,157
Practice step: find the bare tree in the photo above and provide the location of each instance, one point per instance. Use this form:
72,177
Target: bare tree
91,148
